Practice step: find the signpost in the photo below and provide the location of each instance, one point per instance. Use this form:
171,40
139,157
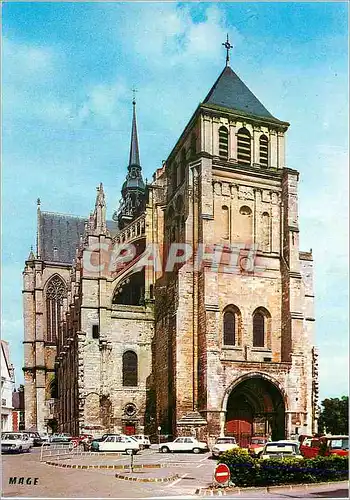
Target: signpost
222,474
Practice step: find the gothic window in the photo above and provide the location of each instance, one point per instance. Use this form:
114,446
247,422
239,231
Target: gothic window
130,369
229,328
244,146
223,143
258,329
55,292
264,154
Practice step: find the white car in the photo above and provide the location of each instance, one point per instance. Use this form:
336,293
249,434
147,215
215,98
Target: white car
118,443
15,442
184,444
143,440
223,444
281,449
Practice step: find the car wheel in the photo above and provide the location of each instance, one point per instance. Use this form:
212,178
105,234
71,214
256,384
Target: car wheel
164,449
196,450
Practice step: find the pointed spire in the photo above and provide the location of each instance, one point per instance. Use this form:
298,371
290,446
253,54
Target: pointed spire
31,255
134,158
133,189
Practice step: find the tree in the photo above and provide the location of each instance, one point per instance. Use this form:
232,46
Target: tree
334,417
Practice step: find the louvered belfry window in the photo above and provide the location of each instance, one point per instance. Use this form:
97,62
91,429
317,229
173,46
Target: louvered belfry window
244,146
264,151
55,292
130,369
223,142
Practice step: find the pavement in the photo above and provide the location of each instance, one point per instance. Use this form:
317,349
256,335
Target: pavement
188,473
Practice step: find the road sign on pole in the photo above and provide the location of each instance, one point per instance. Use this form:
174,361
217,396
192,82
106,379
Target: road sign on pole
222,474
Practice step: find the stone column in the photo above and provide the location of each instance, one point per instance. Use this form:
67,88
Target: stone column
256,146
232,141
273,162
215,136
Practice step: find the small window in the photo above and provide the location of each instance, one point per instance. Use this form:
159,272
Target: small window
264,151
95,332
130,369
223,142
258,330
229,328
244,147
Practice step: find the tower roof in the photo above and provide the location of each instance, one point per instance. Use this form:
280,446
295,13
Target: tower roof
230,92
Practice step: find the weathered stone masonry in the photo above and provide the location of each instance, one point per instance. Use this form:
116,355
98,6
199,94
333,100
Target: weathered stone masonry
202,351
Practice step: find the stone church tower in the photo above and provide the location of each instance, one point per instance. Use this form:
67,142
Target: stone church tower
221,342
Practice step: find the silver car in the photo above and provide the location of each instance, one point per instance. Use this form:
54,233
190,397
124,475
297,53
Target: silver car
15,442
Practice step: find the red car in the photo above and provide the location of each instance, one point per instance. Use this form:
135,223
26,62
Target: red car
336,445
256,445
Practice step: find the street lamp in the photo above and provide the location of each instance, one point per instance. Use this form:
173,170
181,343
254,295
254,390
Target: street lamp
297,425
159,429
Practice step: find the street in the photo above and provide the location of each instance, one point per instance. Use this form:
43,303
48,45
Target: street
192,472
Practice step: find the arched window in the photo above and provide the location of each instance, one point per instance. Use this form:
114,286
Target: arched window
244,146
264,151
258,329
229,328
223,142
130,369
55,292
131,290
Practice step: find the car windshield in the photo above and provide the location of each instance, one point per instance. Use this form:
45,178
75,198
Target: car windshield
226,441
339,444
276,449
11,437
258,441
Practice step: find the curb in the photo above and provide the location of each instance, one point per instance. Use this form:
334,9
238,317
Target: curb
147,479
103,466
265,489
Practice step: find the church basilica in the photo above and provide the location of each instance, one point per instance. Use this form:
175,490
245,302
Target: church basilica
218,342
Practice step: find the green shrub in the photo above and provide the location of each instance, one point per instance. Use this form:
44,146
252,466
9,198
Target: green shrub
247,471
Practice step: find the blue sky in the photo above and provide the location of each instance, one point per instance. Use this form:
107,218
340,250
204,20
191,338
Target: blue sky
68,70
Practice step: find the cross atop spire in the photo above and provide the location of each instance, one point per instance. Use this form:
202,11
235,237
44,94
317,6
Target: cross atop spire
227,46
134,96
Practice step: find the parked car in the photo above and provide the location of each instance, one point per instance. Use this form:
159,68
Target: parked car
256,445
223,444
45,437
143,440
334,445
15,442
184,444
281,449
119,443
35,437
60,438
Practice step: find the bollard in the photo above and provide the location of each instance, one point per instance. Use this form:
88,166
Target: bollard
131,453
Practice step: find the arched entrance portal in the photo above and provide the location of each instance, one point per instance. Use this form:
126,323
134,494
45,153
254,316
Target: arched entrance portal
255,407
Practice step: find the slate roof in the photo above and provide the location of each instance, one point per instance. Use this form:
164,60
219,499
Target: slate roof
59,236
230,92
62,232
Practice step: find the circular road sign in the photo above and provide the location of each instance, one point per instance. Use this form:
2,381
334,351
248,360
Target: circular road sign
222,474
